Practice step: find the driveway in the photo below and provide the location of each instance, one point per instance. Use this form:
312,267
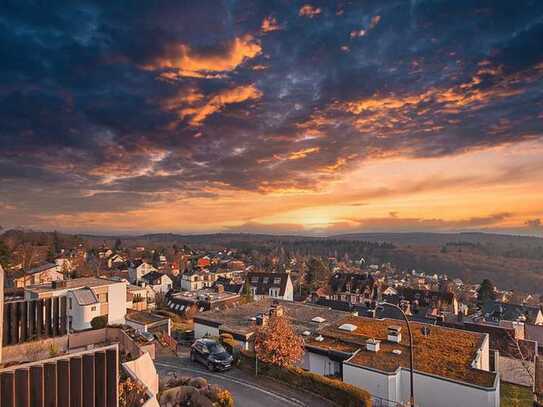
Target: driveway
248,391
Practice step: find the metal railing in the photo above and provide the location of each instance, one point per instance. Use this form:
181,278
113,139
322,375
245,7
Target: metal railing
380,402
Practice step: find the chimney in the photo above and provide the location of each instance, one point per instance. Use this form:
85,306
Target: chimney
262,320
394,334
373,345
277,310
219,288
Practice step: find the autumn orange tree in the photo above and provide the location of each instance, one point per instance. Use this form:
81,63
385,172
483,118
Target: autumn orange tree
277,343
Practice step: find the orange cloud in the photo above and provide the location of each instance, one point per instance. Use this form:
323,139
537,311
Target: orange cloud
309,11
218,101
270,24
302,153
184,61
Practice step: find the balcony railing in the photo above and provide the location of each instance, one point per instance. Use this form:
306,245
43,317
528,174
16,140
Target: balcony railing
380,402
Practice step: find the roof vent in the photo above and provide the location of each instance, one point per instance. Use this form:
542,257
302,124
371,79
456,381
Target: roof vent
348,327
252,319
394,334
373,345
306,333
318,319
397,352
319,338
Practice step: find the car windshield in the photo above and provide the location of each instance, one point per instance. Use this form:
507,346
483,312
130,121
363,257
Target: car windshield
216,348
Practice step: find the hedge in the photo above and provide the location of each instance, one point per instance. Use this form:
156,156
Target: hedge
340,393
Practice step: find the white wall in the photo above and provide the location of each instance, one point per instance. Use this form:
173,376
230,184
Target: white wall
201,330
321,364
116,303
81,315
430,391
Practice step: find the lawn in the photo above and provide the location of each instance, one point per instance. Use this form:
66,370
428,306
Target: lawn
515,396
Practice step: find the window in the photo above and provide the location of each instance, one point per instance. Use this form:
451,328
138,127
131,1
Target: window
266,279
93,308
254,279
277,280
69,303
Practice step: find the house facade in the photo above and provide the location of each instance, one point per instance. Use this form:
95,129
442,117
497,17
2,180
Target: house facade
137,270
39,275
272,285
159,282
88,297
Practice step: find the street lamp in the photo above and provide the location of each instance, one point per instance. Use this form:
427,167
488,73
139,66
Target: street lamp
411,354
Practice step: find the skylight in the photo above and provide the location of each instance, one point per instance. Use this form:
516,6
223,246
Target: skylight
348,327
318,319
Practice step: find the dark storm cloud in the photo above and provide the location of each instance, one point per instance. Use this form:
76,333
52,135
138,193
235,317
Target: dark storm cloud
100,101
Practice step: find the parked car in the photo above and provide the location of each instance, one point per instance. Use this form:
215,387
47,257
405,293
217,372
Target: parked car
147,336
211,353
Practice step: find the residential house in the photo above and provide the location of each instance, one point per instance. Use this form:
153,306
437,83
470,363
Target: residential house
161,283
500,311
140,298
356,288
241,321
188,303
138,269
42,274
197,279
273,285
115,260
148,322
88,297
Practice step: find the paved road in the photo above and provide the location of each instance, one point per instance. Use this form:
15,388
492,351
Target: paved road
247,391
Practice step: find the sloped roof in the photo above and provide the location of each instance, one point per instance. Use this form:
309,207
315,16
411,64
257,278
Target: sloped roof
41,268
509,312
264,281
153,277
85,296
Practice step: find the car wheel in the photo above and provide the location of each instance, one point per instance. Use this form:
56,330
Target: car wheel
210,366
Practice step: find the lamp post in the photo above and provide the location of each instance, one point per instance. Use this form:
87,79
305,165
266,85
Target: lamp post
411,354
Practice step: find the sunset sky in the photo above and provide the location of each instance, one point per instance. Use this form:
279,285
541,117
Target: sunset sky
272,116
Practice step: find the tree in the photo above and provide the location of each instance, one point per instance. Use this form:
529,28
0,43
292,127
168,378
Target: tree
5,255
117,245
277,343
99,322
486,291
247,295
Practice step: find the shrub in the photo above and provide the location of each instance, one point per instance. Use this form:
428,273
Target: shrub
334,390
99,322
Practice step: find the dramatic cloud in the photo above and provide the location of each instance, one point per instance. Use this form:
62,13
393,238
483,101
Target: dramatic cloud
220,100
182,60
272,113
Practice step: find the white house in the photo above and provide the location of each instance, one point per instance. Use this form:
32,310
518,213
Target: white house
159,282
451,366
274,285
197,280
88,297
137,270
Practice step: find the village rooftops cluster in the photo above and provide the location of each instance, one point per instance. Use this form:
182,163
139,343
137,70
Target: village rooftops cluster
440,351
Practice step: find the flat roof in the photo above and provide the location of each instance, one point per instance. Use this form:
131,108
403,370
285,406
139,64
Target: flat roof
238,319
143,317
206,294
444,352
74,284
